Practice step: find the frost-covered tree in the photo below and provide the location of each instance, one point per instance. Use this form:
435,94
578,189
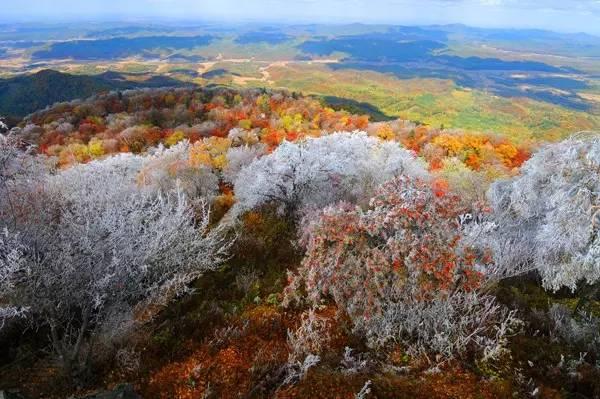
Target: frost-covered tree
240,157
548,218
167,169
399,270
317,172
469,184
96,253
19,171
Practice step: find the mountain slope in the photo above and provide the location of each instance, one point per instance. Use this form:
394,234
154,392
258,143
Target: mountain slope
22,95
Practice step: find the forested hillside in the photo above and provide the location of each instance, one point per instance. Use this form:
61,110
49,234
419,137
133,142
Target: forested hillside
213,242
22,95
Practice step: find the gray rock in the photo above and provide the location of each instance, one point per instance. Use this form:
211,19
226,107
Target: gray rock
124,391
11,395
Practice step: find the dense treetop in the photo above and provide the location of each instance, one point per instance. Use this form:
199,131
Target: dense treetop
133,121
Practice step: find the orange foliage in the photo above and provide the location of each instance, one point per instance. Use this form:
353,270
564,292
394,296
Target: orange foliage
212,113
274,117
440,187
385,132
211,152
225,367
474,150
273,138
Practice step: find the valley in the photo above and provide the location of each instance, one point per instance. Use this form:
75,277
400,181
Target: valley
481,82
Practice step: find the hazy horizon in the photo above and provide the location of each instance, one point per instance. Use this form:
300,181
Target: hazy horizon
570,16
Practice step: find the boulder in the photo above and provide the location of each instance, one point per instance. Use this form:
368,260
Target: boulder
124,391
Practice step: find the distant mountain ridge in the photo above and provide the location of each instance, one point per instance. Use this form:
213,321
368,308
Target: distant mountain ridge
22,95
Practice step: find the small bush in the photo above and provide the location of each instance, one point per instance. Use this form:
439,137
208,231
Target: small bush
401,273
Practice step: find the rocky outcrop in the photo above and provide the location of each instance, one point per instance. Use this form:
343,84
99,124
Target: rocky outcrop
124,391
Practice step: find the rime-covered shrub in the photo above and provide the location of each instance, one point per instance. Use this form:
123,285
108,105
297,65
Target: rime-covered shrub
168,169
449,325
240,157
405,244
310,338
547,218
317,172
20,171
582,329
469,184
241,137
306,344
353,363
96,254
399,270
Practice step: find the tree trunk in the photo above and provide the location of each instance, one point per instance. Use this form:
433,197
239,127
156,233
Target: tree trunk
70,355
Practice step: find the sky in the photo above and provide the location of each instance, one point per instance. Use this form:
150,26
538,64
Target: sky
558,15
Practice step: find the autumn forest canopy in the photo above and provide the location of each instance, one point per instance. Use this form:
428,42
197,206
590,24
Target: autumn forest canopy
303,211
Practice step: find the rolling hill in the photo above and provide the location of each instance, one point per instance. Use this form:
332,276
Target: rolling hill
22,95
